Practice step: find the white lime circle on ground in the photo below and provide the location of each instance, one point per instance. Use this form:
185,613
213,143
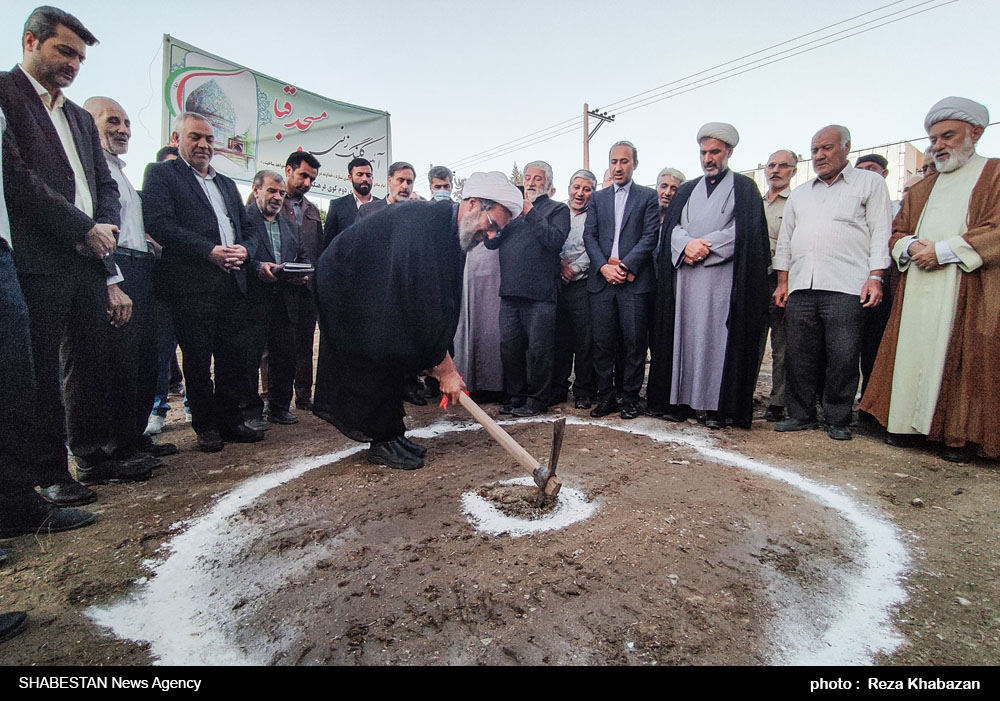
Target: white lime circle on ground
571,507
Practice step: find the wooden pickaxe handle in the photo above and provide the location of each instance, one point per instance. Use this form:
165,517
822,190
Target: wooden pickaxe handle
501,436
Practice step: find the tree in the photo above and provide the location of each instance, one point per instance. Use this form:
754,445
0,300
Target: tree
516,176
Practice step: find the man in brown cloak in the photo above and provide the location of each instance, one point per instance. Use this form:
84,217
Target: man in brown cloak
938,366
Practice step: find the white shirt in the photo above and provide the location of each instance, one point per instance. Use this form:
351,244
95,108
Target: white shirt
82,199
131,233
832,236
227,234
574,251
620,201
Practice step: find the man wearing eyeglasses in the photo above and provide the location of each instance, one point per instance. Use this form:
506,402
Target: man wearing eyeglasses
779,171
389,291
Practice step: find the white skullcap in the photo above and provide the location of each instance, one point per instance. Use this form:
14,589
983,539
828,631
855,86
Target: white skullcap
721,131
494,186
957,108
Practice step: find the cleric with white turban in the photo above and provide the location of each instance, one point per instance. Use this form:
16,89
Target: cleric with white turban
389,291
960,108
494,186
719,130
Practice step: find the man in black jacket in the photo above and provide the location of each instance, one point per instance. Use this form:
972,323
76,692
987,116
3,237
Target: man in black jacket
389,291
274,296
344,211
63,269
622,226
529,269
195,213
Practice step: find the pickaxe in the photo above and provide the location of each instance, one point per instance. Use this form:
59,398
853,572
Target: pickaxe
544,475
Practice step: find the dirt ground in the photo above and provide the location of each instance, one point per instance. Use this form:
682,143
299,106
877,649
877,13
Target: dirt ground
687,561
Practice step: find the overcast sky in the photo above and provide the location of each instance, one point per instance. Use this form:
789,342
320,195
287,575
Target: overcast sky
459,79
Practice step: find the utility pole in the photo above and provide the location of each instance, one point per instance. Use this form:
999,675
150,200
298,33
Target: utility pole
602,117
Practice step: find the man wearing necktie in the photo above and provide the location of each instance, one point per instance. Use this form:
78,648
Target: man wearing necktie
620,236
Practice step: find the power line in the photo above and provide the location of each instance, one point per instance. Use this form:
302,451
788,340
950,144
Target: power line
807,49
561,126
773,46
573,124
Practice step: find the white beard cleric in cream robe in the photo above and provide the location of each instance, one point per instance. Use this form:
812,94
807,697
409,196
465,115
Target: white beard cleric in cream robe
710,316
938,367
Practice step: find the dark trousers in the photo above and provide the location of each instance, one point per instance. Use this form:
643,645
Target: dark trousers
132,359
305,338
214,326
17,376
776,325
817,323
574,338
617,313
527,347
69,339
876,319
277,368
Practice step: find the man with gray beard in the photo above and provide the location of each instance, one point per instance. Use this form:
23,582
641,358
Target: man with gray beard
938,366
389,290
529,267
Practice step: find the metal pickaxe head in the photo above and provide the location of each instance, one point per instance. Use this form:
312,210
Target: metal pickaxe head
545,475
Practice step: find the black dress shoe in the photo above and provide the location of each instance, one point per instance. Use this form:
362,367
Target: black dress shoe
280,415
713,422
532,407
210,442
678,414
26,513
415,448
790,424
414,396
608,405
114,471
143,460
160,450
68,494
774,413
629,410
257,423
393,454
241,433
305,404
12,624
582,403
951,454
507,408
839,433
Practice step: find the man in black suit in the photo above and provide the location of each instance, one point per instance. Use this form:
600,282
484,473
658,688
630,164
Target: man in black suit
344,211
401,177
64,220
529,268
274,296
195,213
301,170
620,236
22,510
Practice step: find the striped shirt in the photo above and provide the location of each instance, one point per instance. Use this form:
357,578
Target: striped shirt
832,236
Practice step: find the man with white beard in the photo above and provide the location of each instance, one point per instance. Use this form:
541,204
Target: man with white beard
938,366
529,268
389,290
